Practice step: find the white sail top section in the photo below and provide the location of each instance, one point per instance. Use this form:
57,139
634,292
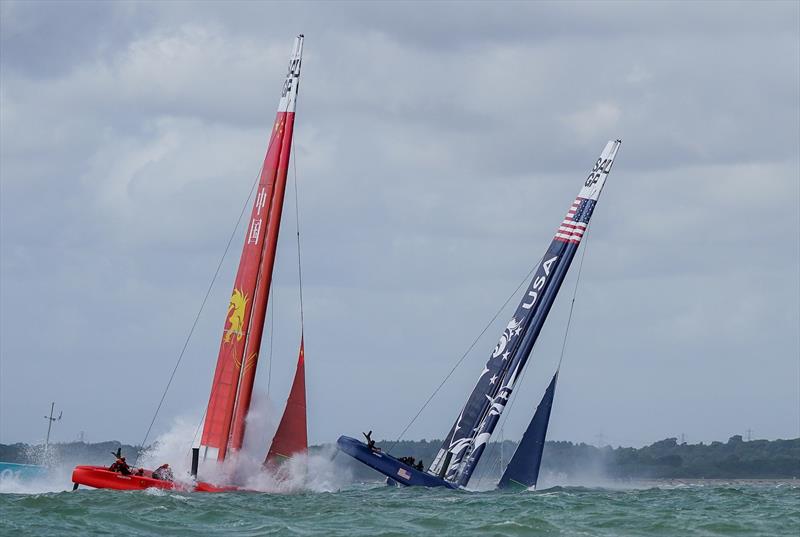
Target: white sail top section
597,177
292,83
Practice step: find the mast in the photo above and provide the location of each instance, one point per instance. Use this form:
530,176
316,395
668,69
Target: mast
50,419
284,124
238,354
464,445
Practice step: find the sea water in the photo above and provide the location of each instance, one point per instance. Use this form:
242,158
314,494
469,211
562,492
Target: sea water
317,496
768,508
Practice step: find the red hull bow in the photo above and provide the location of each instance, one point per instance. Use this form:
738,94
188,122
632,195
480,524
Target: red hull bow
101,477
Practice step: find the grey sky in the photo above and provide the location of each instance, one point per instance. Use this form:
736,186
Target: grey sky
437,148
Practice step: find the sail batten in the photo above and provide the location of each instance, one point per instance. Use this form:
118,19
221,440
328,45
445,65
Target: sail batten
469,435
232,386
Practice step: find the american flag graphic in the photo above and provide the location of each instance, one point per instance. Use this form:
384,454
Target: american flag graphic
574,224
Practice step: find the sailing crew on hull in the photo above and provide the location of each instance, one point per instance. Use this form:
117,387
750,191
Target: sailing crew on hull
120,466
163,473
370,441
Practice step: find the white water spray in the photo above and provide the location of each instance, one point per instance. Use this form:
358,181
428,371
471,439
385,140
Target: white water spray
311,472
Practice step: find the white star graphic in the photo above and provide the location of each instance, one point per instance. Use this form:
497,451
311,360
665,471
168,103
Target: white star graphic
505,355
493,379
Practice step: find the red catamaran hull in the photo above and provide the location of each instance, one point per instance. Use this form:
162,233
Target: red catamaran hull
102,478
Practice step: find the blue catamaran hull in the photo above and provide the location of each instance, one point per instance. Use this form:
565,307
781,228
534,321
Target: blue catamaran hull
389,466
466,442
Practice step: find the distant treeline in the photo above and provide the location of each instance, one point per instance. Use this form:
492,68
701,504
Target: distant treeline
734,459
66,453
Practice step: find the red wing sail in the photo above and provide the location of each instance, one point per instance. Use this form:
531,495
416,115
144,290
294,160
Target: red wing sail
291,437
285,125
241,338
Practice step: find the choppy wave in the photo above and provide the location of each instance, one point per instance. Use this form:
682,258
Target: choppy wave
762,508
316,496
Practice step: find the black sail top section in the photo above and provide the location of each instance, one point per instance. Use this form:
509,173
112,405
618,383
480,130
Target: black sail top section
523,470
468,436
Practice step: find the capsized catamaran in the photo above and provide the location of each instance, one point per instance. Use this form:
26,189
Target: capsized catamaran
465,443
232,387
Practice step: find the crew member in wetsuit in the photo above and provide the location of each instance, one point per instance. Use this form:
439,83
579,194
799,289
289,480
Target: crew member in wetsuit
420,466
370,441
163,472
120,466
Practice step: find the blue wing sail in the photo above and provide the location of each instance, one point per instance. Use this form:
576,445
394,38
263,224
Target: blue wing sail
466,441
523,470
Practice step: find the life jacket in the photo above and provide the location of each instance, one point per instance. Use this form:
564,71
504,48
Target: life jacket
121,467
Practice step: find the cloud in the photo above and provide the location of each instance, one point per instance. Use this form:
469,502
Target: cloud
591,123
436,150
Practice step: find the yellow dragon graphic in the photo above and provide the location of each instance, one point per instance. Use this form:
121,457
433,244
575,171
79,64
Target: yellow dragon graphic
237,310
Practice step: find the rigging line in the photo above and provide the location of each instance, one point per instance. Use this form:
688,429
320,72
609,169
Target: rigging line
197,317
197,430
463,356
574,294
271,338
297,227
